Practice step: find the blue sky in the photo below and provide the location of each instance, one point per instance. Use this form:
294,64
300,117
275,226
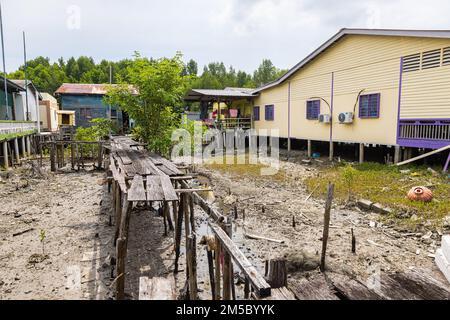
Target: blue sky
238,32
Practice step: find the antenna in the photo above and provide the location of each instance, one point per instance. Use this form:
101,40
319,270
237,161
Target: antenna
25,74
4,65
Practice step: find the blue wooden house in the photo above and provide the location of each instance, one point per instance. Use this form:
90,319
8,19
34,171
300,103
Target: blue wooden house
87,102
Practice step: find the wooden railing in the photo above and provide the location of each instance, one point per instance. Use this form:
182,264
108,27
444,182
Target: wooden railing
424,129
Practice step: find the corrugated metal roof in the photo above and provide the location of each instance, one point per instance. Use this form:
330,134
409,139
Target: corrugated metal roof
21,82
443,34
83,88
11,85
212,94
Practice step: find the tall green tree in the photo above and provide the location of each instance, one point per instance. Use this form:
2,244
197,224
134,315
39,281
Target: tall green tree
161,86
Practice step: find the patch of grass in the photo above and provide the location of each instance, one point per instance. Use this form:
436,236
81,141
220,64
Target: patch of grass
387,185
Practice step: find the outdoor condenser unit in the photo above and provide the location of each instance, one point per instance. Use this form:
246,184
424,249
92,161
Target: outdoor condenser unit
346,117
324,118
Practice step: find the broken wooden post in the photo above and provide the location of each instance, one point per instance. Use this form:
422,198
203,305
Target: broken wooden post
235,212
192,259
293,222
326,226
118,210
164,218
246,289
277,273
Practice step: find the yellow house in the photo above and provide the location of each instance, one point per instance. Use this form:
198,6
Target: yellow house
370,87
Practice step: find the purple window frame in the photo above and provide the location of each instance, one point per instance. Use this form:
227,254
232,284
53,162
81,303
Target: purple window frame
312,109
361,115
256,113
269,112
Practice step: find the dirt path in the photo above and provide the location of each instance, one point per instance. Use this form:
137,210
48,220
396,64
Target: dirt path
380,248
69,209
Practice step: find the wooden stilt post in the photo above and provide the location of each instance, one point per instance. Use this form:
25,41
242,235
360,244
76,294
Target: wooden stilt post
5,155
72,156
227,269
164,217
100,156
28,145
217,254
309,149
167,215
52,157
353,242
191,253
326,226
246,289
178,231
118,209
211,272
121,246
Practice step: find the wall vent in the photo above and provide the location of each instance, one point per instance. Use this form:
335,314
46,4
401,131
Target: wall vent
411,63
431,59
446,60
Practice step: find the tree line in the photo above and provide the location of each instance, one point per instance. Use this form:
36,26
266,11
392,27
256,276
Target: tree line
47,76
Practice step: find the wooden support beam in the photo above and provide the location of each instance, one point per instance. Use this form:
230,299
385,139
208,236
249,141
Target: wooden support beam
397,154
52,158
24,150
121,246
192,259
212,282
217,254
424,155
178,230
259,284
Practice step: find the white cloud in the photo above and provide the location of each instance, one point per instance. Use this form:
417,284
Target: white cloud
238,32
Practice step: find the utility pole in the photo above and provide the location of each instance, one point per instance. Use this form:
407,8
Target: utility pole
25,74
4,65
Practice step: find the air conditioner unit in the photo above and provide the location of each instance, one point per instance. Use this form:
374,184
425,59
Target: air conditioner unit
324,118
346,117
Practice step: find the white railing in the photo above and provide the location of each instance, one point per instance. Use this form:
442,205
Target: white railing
425,129
13,127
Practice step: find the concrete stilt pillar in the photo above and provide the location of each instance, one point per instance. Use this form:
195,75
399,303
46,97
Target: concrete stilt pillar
309,149
331,152
16,150
397,154
289,144
28,146
5,155
24,150
361,152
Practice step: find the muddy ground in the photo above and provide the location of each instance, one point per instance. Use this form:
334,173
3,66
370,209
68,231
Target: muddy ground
71,212
271,204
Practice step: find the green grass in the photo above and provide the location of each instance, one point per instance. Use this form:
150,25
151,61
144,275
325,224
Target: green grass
388,186
10,136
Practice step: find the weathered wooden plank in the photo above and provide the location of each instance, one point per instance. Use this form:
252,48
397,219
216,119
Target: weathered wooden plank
413,285
154,189
282,293
137,191
124,156
258,283
351,289
168,190
157,288
313,288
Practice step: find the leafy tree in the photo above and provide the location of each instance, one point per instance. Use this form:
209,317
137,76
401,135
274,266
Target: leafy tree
265,73
192,68
161,86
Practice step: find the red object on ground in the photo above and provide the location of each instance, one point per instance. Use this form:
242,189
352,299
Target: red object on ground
420,194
